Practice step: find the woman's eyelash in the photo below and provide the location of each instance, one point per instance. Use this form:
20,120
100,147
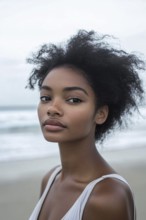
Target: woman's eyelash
74,100
45,98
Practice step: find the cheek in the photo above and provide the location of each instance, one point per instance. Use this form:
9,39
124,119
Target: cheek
83,119
40,112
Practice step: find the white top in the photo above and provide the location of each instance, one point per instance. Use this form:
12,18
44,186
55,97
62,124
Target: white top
76,211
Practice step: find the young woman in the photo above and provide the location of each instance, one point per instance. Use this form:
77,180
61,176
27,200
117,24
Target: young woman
86,89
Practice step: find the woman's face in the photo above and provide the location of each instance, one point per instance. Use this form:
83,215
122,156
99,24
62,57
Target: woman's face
67,106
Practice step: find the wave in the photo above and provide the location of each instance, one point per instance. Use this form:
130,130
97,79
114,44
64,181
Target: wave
18,120
22,119
21,138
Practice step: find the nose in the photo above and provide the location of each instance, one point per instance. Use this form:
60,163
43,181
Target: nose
55,109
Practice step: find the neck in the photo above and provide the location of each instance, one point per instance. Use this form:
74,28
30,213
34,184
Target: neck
80,160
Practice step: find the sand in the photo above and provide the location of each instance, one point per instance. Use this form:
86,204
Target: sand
20,181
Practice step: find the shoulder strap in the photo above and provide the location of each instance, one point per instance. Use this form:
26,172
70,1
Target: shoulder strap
76,211
37,209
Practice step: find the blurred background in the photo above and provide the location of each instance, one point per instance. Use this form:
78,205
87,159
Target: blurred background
24,26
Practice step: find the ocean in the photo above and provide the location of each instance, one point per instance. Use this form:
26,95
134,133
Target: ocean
21,137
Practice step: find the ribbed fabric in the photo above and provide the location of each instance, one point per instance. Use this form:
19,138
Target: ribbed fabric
76,211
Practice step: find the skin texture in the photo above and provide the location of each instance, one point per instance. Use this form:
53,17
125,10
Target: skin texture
113,74
75,109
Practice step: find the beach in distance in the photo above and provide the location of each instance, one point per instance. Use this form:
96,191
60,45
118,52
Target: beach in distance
20,180
25,157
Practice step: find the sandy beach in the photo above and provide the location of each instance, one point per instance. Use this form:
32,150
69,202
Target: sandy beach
20,181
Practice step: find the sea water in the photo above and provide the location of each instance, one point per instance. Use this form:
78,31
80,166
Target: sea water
21,137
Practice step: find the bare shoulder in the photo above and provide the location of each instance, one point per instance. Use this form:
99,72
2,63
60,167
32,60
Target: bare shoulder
46,178
111,199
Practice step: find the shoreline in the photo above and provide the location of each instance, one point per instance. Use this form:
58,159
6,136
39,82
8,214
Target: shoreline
20,181
27,166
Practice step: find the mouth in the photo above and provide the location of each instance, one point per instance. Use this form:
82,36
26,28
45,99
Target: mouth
53,125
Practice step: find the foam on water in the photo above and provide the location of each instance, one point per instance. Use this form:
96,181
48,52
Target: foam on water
21,137
17,120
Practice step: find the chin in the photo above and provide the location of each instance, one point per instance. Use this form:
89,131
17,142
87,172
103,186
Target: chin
51,139
54,138
59,138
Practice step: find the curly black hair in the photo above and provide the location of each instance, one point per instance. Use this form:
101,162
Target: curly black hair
112,73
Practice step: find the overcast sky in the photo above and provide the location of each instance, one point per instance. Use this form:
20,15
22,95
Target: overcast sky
25,25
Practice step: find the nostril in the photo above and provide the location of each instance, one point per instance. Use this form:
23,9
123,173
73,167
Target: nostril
54,111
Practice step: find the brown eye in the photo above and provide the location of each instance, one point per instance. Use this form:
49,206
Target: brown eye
45,99
74,100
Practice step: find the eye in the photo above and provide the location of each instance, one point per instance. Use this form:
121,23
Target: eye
45,99
74,100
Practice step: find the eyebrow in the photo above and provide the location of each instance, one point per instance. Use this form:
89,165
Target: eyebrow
45,88
66,89
75,88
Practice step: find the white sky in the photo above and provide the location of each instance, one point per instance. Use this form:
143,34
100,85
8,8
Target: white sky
25,25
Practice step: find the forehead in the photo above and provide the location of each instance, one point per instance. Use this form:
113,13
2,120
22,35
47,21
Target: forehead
65,76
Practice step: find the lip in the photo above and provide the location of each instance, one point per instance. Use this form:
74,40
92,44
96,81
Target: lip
53,125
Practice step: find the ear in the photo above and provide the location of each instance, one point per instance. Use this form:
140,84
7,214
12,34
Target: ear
102,114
